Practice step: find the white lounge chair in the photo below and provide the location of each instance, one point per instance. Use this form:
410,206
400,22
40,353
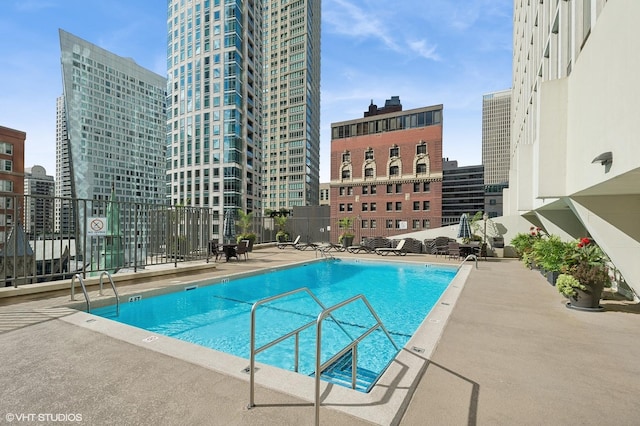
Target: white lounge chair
398,251
289,244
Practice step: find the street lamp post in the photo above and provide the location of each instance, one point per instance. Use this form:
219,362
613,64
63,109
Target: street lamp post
485,217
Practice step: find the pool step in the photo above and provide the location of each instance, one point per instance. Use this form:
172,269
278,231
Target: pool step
340,374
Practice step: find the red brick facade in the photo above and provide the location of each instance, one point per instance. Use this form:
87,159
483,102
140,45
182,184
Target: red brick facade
389,182
11,177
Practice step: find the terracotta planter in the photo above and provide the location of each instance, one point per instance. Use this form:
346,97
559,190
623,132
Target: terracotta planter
588,300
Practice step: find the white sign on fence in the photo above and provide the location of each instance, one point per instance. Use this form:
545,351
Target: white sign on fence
96,226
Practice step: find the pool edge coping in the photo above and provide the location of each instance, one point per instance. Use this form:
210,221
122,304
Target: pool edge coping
384,404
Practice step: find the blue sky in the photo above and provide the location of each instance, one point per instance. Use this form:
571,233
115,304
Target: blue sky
427,52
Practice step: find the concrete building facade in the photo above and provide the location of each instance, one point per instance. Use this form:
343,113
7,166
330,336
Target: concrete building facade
462,191
12,143
214,106
39,189
575,168
496,137
291,103
386,170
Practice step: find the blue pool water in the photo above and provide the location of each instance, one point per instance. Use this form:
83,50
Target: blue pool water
218,316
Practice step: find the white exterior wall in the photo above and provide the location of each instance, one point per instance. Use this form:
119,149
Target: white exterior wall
576,96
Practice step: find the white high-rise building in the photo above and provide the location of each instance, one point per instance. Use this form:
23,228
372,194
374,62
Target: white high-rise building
291,103
575,162
64,219
214,105
496,134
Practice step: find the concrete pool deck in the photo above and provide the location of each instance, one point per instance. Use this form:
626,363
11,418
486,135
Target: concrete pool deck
511,353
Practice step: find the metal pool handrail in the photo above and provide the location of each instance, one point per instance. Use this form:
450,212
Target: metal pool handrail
84,290
472,257
86,295
295,332
353,346
113,286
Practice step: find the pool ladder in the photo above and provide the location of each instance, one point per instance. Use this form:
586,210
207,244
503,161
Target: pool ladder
320,367
86,294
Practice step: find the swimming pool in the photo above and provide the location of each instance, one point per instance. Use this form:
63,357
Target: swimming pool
218,316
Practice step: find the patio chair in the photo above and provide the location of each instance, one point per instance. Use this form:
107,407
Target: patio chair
214,250
453,250
289,244
441,246
398,250
242,249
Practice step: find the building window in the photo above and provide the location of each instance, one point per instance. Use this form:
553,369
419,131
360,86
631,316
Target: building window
399,206
368,154
346,174
390,189
426,187
421,168
341,207
398,223
426,223
368,172
416,205
374,224
394,152
416,187
416,224
389,206
492,202
342,190
425,205
350,207
349,190
6,165
394,171
389,223
373,189
373,207
7,148
346,157
365,190
398,188
365,207
364,224
421,149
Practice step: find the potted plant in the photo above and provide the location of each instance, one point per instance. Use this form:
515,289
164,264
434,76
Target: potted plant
523,243
346,236
281,222
551,255
245,221
589,275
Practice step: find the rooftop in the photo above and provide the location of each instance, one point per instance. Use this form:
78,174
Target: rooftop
511,353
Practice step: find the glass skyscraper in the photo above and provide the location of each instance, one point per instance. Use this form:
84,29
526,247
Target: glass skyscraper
111,131
214,105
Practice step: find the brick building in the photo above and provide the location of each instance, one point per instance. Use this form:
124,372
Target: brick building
386,170
11,178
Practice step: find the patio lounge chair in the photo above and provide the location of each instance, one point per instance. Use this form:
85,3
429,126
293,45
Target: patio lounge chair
289,244
398,250
329,246
360,248
304,246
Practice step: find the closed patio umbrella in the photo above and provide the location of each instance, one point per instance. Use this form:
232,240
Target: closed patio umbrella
229,226
464,229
